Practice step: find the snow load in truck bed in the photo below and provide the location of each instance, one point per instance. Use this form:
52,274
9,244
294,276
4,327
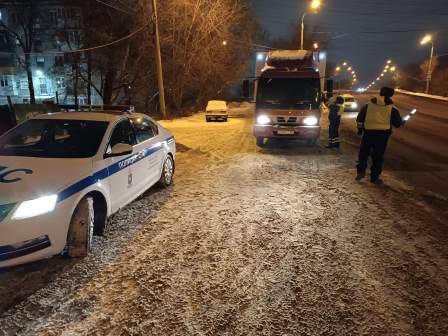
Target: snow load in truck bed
285,55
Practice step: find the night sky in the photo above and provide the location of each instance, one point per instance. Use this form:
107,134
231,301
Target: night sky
360,30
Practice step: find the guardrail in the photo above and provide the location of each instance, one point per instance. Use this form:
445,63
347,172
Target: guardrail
422,95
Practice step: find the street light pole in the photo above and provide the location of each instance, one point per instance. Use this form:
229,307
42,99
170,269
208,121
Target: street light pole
159,61
314,6
429,75
302,31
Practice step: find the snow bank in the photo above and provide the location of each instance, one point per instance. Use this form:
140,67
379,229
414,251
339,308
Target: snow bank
424,95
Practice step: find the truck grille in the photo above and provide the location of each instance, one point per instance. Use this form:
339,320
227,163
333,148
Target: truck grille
287,120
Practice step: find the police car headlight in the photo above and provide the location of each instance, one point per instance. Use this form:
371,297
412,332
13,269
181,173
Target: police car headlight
36,207
263,120
310,121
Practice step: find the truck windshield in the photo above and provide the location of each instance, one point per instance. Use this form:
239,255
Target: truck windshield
301,93
54,139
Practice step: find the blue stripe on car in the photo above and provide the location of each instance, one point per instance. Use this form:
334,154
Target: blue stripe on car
109,171
27,247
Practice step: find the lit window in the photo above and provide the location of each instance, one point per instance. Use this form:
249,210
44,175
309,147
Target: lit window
43,86
24,84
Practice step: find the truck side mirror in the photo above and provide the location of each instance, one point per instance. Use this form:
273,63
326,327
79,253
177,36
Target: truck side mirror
330,88
246,89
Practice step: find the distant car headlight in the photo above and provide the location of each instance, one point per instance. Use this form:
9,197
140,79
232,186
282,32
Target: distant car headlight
36,207
354,105
263,120
310,121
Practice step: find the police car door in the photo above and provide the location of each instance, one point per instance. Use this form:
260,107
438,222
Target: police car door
121,168
151,148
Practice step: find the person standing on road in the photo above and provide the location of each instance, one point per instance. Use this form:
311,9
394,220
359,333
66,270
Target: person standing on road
375,122
334,116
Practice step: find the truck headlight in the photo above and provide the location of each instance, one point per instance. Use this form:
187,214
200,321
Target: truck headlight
310,121
36,207
263,120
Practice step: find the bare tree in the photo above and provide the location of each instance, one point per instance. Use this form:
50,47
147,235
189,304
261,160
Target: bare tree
113,70
205,46
21,26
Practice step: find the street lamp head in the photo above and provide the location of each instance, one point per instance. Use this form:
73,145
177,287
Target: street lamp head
224,43
344,64
426,39
315,4
389,61
338,68
349,68
393,68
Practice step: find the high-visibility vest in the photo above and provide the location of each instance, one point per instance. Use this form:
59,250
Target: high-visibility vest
341,109
378,116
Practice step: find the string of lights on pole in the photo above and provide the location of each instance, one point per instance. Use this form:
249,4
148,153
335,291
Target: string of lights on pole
349,69
389,68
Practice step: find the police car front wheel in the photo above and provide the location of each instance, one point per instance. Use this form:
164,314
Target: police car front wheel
166,179
80,233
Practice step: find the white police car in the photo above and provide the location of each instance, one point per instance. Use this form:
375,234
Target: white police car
63,174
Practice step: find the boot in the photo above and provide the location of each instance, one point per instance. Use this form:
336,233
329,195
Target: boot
378,181
360,176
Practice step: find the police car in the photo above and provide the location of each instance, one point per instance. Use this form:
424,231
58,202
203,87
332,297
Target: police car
62,175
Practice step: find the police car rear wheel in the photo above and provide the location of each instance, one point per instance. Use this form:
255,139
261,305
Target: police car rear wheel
167,173
80,234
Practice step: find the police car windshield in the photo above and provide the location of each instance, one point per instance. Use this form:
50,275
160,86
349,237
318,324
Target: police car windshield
54,139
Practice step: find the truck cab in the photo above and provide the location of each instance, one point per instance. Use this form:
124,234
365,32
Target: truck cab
289,95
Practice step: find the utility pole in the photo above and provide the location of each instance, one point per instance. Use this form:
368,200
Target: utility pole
302,31
429,75
159,61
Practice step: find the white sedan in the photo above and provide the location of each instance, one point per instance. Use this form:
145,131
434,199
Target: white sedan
350,103
62,175
216,110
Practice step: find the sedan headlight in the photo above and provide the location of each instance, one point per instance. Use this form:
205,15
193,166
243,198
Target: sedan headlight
354,105
310,121
263,120
36,207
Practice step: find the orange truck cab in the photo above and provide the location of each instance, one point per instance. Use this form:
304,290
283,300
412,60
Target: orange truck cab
289,95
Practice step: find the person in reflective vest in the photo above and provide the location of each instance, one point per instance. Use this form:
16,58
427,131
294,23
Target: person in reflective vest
375,122
334,116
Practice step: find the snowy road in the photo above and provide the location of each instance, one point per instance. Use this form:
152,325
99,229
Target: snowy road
247,242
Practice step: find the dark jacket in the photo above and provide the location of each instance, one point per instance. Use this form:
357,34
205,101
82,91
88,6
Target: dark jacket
395,119
335,113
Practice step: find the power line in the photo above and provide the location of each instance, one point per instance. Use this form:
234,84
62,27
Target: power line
114,7
127,37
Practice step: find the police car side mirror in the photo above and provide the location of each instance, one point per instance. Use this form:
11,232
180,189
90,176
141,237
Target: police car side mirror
120,149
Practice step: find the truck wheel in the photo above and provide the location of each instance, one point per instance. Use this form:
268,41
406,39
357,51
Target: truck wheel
260,141
80,232
166,179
